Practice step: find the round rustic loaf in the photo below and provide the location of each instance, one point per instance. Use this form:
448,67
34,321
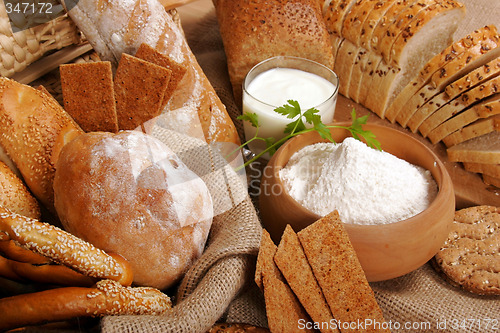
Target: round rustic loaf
128,193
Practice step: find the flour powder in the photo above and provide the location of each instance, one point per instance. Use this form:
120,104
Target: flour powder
366,186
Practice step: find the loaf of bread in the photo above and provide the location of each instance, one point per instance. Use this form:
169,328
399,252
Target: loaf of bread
253,31
129,194
120,26
15,195
33,130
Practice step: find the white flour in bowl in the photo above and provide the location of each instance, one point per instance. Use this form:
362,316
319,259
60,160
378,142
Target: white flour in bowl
365,185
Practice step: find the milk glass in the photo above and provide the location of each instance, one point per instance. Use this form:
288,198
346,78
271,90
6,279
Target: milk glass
308,82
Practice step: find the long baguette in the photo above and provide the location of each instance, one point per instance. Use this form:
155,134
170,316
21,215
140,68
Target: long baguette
114,27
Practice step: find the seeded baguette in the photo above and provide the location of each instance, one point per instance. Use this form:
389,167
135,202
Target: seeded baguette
106,298
474,130
478,55
434,65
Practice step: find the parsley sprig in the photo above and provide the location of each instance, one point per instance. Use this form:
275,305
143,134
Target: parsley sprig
292,110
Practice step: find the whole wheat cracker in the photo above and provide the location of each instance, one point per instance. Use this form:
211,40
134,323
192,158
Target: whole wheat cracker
284,312
292,262
339,273
88,95
148,53
469,257
139,89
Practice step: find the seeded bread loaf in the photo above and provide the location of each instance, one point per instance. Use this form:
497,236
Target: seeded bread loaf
485,109
463,101
253,31
474,130
434,65
483,149
478,55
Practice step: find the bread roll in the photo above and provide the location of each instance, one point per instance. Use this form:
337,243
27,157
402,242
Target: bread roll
129,194
15,195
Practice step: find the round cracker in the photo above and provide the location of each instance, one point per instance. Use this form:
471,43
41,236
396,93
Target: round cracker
470,257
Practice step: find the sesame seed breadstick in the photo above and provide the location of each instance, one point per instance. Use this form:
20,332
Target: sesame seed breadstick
48,273
10,249
106,298
63,247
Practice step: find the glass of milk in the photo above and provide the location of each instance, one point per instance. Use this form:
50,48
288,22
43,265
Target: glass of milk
274,81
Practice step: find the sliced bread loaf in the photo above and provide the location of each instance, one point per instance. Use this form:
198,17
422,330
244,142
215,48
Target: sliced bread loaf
483,149
435,64
478,55
484,109
463,101
476,129
492,170
467,82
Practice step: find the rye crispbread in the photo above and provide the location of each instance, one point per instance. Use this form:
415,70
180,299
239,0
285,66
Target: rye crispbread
470,257
283,310
292,262
339,273
139,89
146,52
88,95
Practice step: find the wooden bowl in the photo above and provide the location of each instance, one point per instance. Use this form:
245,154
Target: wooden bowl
385,251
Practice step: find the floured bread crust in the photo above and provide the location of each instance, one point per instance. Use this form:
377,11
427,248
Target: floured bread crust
130,194
470,258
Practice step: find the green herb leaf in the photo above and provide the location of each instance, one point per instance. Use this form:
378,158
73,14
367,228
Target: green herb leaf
253,118
290,110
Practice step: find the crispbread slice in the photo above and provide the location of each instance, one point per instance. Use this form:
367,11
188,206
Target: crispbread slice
339,273
284,311
150,54
88,95
139,89
292,263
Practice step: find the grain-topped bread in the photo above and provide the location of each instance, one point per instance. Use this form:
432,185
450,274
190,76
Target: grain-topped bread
474,130
436,63
482,149
253,31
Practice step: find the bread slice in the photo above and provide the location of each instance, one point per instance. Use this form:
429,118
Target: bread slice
414,49
492,170
486,108
334,14
491,180
478,55
344,63
483,149
292,262
283,310
463,101
339,273
474,130
434,65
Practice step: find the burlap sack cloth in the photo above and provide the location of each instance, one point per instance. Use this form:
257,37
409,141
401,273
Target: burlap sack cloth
220,285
